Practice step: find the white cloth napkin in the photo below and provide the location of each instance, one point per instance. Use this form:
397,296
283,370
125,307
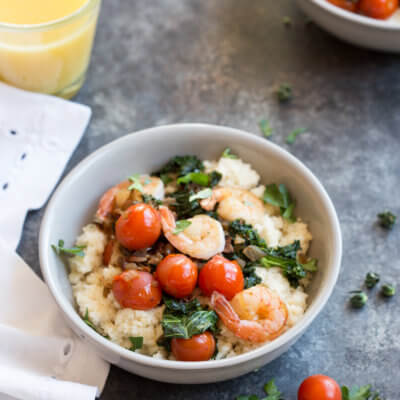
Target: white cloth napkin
40,357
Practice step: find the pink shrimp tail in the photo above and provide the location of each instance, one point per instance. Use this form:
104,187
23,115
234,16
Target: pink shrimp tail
167,219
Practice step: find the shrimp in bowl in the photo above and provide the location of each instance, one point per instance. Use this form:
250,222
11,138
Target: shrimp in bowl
198,260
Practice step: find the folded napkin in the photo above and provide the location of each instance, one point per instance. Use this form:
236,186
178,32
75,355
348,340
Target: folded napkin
40,357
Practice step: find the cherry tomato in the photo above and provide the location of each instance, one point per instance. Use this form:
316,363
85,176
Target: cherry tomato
197,348
319,387
138,227
222,275
177,275
348,5
379,9
136,289
108,250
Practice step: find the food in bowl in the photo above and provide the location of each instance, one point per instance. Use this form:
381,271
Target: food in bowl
196,261
378,9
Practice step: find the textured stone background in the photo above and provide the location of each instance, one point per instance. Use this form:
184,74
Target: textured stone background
169,61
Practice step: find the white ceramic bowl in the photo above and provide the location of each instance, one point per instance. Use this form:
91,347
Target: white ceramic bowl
363,31
74,202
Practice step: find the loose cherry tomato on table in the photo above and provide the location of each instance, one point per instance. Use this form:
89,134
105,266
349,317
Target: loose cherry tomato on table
137,289
379,9
221,275
348,5
177,275
138,227
197,348
319,387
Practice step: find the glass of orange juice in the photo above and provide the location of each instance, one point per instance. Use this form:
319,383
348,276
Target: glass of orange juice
45,45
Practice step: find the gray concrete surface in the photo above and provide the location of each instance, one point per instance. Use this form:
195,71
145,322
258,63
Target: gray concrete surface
168,61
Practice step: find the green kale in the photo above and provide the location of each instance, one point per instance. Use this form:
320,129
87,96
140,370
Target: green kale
182,165
215,177
181,306
200,178
73,251
149,199
283,257
280,197
250,276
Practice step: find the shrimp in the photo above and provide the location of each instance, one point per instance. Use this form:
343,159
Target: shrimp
119,194
234,204
256,314
203,238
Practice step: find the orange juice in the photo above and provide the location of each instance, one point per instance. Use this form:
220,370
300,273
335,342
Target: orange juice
45,45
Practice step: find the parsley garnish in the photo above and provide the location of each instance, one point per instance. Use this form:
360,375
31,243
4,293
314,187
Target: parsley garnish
270,390
203,194
227,153
200,178
280,197
137,342
293,135
265,128
135,178
76,250
89,323
284,93
387,219
181,225
361,393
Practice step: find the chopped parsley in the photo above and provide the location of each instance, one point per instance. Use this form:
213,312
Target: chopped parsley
280,197
181,225
74,251
270,390
200,178
265,128
387,219
89,323
284,93
137,342
136,184
360,393
293,135
227,153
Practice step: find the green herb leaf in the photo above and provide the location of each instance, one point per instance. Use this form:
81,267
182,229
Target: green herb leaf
203,194
293,135
227,153
182,165
173,306
311,265
361,393
272,391
149,199
137,342
199,178
181,225
88,322
75,251
185,327
387,219
136,184
284,93
279,196
265,128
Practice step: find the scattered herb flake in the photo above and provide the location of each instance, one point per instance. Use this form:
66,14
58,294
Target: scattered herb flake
136,184
137,342
270,390
265,128
387,219
371,279
203,194
284,93
293,135
359,393
388,290
227,153
75,251
181,225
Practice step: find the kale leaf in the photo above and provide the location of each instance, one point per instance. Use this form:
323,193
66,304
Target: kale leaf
182,165
279,196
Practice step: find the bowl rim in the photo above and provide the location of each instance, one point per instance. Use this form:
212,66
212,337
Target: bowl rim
358,18
289,336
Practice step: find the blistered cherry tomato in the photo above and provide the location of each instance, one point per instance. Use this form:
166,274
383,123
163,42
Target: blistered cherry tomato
379,9
177,275
319,387
138,227
108,250
136,289
348,5
221,275
197,348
